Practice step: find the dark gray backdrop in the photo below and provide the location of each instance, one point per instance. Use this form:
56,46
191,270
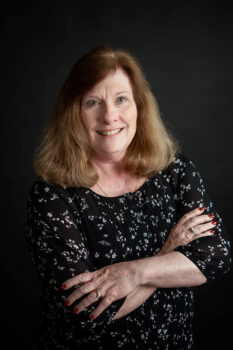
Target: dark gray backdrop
186,51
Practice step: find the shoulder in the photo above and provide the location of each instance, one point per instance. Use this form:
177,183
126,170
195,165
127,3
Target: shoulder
42,191
51,199
181,159
45,196
180,163
181,169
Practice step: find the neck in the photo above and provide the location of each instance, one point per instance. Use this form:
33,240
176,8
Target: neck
113,179
108,167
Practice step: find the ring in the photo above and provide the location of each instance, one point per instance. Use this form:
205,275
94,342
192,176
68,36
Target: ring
97,293
194,231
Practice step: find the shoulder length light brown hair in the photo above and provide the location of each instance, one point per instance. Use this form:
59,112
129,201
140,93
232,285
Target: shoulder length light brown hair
63,153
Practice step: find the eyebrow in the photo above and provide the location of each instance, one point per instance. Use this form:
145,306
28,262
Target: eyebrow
117,93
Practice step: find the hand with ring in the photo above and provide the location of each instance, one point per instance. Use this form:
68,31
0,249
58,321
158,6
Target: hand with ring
108,284
191,226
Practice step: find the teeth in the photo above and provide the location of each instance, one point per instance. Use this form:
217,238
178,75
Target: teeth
109,132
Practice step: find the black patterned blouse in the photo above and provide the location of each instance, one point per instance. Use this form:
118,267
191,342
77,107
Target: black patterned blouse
73,230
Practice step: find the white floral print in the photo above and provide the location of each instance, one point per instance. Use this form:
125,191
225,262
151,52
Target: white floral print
72,230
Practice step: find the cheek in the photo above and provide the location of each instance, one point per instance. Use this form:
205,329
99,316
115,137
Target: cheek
87,121
133,118
83,118
130,112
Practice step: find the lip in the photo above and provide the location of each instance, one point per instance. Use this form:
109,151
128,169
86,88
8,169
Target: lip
110,129
114,135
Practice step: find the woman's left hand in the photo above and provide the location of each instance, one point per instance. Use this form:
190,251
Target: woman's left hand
109,283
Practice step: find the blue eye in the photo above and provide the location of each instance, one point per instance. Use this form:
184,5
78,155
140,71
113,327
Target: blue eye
92,102
121,98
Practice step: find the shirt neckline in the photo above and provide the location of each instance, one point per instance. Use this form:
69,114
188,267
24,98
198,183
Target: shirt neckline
127,194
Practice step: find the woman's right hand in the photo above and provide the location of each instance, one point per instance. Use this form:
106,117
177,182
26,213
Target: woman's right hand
182,234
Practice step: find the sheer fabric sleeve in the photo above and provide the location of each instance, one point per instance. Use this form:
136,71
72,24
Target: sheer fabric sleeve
59,251
210,254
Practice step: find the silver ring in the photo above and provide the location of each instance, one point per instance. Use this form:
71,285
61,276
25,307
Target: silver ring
97,293
194,231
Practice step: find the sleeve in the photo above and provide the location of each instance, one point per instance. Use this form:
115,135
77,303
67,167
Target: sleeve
210,254
59,251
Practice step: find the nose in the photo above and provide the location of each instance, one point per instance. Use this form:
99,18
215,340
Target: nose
109,113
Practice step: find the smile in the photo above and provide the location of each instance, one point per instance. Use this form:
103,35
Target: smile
110,133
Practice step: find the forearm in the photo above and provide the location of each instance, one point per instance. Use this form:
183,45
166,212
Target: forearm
169,270
147,268
142,292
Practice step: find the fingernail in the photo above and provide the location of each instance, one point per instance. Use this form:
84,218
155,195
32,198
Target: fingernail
63,286
91,317
75,310
212,231
214,222
211,216
201,208
67,302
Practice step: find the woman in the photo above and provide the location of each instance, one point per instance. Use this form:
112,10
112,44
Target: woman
119,223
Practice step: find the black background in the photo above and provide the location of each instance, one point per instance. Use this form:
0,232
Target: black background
186,51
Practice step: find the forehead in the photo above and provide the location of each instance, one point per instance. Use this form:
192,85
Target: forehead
113,82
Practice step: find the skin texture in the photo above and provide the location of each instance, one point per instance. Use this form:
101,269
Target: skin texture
135,280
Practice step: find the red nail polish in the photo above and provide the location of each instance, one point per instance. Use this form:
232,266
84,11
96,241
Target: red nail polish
212,231
91,317
211,216
214,222
201,208
67,302
75,310
63,286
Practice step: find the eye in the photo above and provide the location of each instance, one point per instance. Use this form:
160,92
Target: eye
91,103
121,98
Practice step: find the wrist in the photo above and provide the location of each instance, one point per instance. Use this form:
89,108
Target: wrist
146,269
168,246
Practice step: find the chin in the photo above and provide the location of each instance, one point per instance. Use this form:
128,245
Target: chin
112,151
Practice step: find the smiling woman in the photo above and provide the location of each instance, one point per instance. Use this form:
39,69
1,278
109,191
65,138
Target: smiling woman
112,117
105,90
110,121
119,222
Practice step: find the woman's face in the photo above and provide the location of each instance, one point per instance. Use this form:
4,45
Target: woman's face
110,107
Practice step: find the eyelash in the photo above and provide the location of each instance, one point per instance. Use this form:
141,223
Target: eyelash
89,102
